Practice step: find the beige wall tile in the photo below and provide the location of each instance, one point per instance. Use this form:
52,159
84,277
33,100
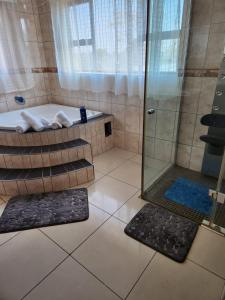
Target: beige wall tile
132,119
214,54
202,12
218,11
165,124
196,158
207,95
186,130
190,94
197,47
183,155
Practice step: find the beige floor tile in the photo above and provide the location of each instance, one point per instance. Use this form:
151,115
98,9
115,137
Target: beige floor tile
70,236
71,281
110,194
129,172
137,158
24,261
98,175
165,279
114,257
208,250
111,159
4,237
130,208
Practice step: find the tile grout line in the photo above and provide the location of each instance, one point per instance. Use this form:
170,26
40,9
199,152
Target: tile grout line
53,241
47,275
138,279
96,278
89,235
17,233
204,268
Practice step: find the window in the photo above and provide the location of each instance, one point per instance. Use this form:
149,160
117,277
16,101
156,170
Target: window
99,42
14,63
165,26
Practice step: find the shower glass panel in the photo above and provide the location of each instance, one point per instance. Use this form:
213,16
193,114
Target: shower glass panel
167,40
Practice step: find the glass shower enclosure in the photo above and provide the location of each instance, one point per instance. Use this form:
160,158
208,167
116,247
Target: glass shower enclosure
167,40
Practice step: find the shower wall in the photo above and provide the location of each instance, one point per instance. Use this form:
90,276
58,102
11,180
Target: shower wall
27,10
207,38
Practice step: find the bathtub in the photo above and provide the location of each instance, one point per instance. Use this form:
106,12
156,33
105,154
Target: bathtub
9,120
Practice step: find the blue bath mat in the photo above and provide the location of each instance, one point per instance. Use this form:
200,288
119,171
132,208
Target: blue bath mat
190,194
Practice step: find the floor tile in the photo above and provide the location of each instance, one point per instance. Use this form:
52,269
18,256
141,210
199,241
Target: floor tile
129,172
165,279
137,158
98,175
71,281
130,208
24,261
114,257
208,250
70,236
110,194
111,159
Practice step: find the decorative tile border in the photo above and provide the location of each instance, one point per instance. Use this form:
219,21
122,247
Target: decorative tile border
45,70
201,73
187,72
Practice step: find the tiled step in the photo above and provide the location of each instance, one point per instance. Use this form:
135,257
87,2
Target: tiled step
12,157
48,179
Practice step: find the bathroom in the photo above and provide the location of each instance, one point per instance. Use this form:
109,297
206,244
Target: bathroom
144,122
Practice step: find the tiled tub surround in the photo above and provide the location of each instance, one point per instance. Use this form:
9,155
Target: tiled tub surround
51,160
92,132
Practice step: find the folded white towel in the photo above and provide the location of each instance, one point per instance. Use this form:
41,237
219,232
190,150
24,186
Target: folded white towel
63,119
22,127
53,125
32,120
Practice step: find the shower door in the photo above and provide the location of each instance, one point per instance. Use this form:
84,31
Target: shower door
167,40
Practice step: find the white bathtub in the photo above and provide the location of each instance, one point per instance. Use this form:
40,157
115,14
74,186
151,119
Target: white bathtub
9,120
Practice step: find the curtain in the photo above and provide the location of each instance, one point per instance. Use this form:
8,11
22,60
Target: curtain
15,74
100,44
168,33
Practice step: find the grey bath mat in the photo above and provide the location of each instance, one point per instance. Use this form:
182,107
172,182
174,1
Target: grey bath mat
162,230
39,210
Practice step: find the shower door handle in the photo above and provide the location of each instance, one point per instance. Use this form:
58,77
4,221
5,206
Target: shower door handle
151,111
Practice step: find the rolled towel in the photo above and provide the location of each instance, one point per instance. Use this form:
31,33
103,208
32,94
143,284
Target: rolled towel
22,127
63,119
53,125
32,120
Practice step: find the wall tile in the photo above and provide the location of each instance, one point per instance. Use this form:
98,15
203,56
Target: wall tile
163,150
207,95
191,92
186,130
202,12
132,119
165,124
196,159
183,155
197,47
218,11
214,54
